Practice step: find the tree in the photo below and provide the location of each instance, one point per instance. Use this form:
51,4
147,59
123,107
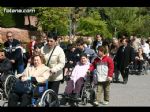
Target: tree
122,18
75,14
8,20
53,18
1,14
92,25
144,29
1,11
11,19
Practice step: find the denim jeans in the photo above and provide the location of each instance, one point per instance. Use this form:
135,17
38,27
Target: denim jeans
20,69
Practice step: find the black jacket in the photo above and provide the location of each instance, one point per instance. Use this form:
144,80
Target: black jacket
95,43
15,54
14,43
71,56
5,66
124,58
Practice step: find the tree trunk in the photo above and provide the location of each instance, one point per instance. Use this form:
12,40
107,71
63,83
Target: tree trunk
29,20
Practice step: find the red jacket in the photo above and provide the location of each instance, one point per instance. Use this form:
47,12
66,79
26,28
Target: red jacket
31,47
104,68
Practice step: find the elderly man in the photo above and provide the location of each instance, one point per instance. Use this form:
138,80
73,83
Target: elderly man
14,52
124,56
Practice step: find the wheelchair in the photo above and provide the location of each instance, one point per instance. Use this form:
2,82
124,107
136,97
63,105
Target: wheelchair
132,70
6,81
41,96
87,93
44,97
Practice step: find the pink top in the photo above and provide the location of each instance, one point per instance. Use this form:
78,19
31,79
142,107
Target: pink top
79,71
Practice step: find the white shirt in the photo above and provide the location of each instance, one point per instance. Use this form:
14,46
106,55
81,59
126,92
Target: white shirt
145,48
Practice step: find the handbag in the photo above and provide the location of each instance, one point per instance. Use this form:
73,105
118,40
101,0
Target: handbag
23,87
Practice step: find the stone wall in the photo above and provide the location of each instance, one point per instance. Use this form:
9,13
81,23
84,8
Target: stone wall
20,34
24,35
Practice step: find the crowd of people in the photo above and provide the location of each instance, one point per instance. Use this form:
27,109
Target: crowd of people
48,60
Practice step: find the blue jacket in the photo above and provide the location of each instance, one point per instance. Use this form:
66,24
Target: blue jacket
90,53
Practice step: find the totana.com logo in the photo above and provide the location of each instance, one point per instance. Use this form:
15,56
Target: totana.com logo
6,10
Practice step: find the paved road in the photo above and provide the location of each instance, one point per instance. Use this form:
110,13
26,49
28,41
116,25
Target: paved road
135,93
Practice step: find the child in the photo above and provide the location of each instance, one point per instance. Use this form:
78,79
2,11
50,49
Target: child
104,69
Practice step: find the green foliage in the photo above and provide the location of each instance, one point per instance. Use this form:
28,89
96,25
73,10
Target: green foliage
86,21
1,14
1,11
53,18
11,19
92,25
127,20
8,20
62,30
143,28
121,19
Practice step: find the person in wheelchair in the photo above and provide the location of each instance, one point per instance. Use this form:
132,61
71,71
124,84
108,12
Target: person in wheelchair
37,73
5,66
140,57
74,85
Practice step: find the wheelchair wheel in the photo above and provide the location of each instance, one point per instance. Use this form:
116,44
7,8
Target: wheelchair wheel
84,96
92,95
1,96
84,100
5,104
8,84
49,99
146,67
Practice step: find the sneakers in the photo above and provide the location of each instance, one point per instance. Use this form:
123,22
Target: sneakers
125,81
95,103
105,103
